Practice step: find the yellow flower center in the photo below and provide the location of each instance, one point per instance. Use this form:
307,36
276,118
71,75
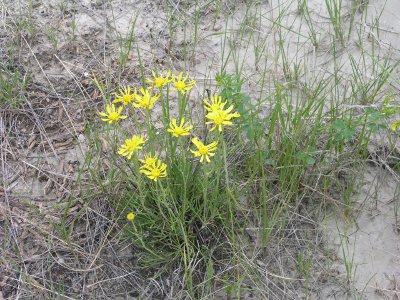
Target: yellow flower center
219,118
203,150
126,99
180,85
149,161
179,130
145,101
155,172
131,146
159,82
113,116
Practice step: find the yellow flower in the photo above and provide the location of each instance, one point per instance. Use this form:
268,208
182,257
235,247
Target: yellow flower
159,81
180,130
145,101
131,146
216,103
130,216
157,170
395,125
183,85
111,114
149,160
221,117
204,151
125,96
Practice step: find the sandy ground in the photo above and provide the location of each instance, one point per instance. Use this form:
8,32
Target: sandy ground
370,242
65,45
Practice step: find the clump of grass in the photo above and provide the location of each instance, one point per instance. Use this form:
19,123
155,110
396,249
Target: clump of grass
12,86
176,183
335,11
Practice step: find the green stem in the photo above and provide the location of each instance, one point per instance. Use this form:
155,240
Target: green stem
230,199
205,192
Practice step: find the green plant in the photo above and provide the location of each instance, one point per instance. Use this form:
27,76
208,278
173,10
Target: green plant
177,200
335,11
304,266
231,88
51,33
12,86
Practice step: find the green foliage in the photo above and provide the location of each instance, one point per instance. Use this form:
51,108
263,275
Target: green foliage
231,90
343,131
12,87
375,119
172,219
177,215
307,157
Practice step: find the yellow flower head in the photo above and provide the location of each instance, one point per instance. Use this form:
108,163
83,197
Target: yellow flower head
130,216
180,130
125,96
204,151
395,125
221,118
111,114
216,103
157,170
131,146
159,81
147,100
182,84
149,159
